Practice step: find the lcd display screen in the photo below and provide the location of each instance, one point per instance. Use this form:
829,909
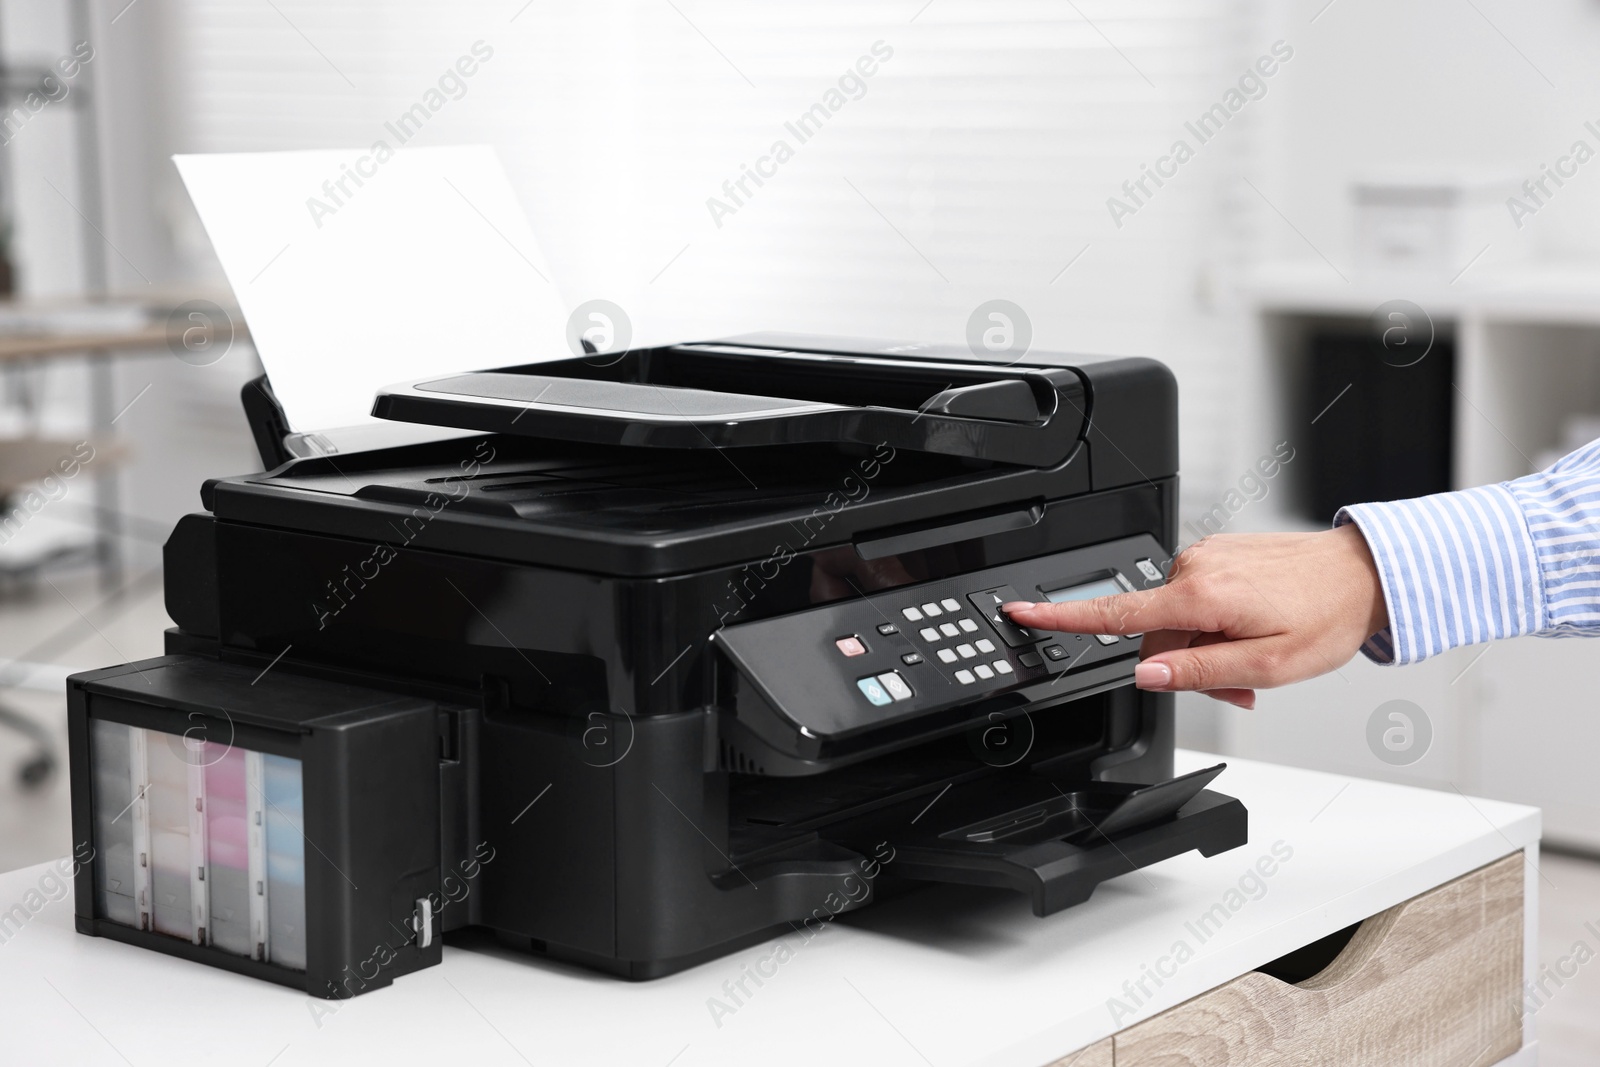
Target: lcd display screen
1084,590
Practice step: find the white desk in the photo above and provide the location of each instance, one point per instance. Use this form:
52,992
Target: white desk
945,976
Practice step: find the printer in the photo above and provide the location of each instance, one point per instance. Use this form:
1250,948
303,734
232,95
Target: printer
648,658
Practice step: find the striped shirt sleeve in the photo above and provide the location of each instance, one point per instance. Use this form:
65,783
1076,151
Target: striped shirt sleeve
1520,557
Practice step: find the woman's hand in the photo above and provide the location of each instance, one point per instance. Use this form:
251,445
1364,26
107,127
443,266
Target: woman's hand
1240,612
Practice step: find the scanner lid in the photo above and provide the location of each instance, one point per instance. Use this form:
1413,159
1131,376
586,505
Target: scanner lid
723,394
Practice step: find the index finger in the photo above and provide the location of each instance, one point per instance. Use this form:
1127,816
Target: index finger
1162,608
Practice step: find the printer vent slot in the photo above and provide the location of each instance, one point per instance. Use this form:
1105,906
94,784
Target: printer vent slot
738,763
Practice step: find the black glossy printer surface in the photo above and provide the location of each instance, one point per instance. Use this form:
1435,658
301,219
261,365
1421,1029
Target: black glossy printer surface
678,649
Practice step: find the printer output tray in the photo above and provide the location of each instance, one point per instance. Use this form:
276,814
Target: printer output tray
1053,841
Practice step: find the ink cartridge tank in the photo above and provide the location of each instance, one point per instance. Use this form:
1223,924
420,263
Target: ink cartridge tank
262,821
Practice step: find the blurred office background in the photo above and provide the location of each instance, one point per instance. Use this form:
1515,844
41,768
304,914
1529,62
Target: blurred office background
1364,171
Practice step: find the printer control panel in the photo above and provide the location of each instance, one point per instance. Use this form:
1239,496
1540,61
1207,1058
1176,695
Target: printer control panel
854,665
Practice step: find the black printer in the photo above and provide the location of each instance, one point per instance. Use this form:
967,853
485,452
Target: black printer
658,655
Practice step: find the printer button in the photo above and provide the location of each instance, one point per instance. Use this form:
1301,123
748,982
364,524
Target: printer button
887,628
1149,570
911,659
949,629
850,646
969,625
950,604
984,671
984,644
873,690
1030,659
1106,639
911,614
931,609
896,685
929,634
1002,667
965,677
967,651
988,602
947,655
1055,652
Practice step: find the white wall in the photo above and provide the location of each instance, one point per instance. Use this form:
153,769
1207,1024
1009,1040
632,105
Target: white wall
1492,88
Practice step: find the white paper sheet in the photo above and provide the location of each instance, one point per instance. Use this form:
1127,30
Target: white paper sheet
428,266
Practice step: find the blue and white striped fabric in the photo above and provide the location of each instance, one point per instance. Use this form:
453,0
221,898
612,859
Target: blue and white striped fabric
1521,557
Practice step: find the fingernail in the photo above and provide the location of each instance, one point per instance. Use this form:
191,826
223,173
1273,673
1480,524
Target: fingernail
1151,675
1017,605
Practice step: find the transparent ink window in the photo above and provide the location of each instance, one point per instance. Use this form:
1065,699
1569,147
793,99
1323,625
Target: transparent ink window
200,840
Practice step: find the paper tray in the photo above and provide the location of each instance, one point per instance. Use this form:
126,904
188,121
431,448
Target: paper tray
1052,840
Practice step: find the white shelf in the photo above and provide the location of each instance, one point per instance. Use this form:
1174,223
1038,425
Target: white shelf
1550,294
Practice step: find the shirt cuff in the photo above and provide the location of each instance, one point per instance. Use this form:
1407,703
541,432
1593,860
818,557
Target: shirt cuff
1456,569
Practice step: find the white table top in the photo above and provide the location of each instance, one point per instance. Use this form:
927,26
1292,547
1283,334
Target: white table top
1527,292
945,976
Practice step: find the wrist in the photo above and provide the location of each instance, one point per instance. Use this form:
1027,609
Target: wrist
1364,571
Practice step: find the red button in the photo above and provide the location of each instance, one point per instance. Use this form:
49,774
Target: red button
851,646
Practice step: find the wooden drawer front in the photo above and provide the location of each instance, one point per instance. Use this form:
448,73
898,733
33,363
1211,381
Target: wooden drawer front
1433,982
